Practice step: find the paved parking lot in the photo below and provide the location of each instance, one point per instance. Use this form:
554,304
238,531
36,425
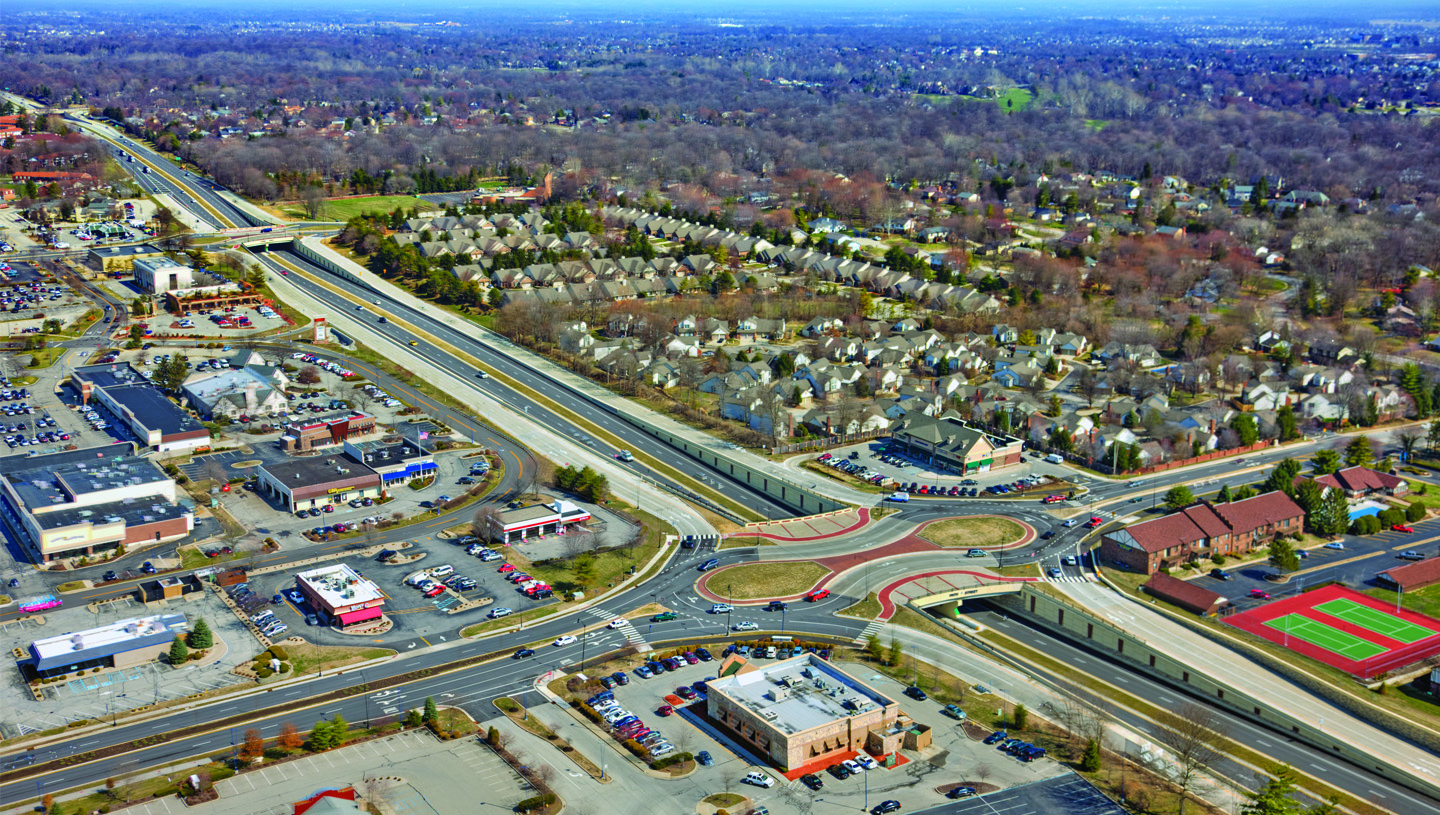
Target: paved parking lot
951,759
1068,793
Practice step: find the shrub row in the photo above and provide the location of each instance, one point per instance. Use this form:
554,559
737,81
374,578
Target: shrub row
538,802
670,761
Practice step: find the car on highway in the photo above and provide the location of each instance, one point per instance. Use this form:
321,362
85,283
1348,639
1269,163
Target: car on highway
524,652
618,622
1054,572
664,616
777,605
567,639
721,608
625,455
1070,523
817,595
709,564
975,553
1071,560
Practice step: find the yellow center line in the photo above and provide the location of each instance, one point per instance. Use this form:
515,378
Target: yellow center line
427,642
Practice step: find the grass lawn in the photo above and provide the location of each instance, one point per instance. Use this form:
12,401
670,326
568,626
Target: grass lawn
755,581
504,622
343,209
1013,99
44,357
307,658
1423,601
1430,500
867,609
723,799
456,721
973,532
606,566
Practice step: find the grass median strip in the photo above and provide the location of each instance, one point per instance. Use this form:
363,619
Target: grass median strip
978,532
755,581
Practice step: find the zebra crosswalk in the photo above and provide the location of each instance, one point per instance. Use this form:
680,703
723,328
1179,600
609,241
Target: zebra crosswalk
632,635
873,628
1070,578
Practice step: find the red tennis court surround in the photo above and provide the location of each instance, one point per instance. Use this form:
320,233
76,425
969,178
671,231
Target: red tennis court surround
1397,653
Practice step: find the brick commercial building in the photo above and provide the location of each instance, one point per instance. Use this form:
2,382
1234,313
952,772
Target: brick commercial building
341,595
133,400
954,445
84,502
305,434
1202,530
804,710
1357,482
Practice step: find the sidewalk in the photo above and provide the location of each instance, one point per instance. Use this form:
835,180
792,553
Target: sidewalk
811,528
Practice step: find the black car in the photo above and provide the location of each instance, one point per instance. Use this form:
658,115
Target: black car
916,694
885,807
621,678
1047,535
839,771
960,792
812,781
524,652
110,576
704,655
607,682
777,605
704,758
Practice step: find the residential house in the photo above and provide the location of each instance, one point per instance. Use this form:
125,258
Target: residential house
1358,482
1202,530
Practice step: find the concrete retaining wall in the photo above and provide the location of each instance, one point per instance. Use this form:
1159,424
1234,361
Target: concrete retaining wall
1080,624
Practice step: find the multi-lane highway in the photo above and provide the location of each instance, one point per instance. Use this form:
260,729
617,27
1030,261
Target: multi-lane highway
380,306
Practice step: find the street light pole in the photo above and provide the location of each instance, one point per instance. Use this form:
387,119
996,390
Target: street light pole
584,631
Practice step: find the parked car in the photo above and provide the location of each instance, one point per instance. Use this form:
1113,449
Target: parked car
885,807
812,781
916,694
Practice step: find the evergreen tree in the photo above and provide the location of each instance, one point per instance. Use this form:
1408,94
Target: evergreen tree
1223,497
1246,429
1282,555
179,652
874,649
1325,462
1022,717
201,637
1285,423
1359,453
1333,515
432,713
1178,497
1276,797
1090,761
1282,477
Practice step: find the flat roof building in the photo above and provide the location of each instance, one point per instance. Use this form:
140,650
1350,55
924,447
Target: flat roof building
306,483
397,463
341,594
954,445
538,519
305,434
80,502
801,711
132,399
116,645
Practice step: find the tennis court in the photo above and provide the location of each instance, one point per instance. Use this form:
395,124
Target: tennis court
1371,619
1344,629
1331,639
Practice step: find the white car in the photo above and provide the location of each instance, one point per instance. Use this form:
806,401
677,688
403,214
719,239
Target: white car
618,622
745,626
855,769
1071,561
568,639
1070,523
500,612
867,762
721,608
1334,545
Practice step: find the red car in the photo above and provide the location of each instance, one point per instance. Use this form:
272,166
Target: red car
817,595
1260,594
1095,521
1402,528
665,710
1054,499
506,568
435,592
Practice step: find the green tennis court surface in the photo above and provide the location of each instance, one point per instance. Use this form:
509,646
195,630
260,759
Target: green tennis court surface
1372,619
1346,645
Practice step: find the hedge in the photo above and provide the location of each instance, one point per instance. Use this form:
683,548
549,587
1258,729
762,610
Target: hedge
1414,512
671,760
538,802
637,748
264,673
279,653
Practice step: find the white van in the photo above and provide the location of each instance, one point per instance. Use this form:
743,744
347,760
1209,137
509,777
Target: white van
900,497
1054,458
442,571
759,779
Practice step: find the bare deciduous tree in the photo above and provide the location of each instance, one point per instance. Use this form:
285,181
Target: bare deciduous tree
1195,736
